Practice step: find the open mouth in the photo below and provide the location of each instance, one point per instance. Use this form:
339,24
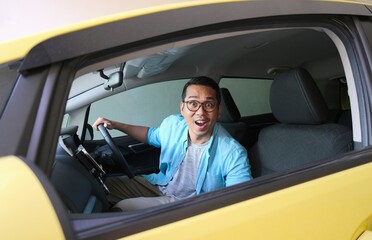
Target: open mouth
201,123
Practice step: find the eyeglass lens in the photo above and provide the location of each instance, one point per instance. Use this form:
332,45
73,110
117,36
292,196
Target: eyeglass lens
194,106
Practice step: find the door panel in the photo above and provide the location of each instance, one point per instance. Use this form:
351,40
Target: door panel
331,207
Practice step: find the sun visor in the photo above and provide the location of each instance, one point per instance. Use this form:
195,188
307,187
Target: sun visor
148,66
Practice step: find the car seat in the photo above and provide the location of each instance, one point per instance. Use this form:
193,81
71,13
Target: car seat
230,116
302,135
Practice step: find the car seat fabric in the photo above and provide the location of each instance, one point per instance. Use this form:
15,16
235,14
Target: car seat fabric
296,99
302,134
345,119
230,116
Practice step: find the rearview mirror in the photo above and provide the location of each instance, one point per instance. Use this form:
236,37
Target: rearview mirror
115,80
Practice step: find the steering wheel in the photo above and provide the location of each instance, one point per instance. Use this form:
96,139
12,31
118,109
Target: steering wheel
117,155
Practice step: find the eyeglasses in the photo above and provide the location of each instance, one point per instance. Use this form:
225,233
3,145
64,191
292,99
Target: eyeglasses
194,105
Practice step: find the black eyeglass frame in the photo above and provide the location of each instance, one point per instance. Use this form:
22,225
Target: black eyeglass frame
200,104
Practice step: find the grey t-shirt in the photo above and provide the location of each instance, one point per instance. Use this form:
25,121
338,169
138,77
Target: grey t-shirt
183,183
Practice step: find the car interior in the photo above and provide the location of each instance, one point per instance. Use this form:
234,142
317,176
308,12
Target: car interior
298,73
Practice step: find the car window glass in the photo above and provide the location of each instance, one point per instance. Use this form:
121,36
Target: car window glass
65,121
367,27
8,78
251,96
147,105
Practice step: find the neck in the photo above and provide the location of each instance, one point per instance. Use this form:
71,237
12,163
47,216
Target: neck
199,140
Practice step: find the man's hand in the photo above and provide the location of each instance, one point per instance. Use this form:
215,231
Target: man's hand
106,123
137,132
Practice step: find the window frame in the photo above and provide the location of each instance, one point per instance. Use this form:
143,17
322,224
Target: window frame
235,194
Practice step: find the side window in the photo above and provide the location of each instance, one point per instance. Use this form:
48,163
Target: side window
146,105
65,121
8,76
250,95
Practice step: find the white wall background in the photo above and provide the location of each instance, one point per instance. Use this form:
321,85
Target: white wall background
20,18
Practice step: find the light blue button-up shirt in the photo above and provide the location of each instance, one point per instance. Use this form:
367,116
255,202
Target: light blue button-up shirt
224,162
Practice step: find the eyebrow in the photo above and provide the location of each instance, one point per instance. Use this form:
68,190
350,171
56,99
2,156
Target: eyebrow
195,97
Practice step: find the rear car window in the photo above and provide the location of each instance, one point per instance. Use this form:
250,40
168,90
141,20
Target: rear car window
251,96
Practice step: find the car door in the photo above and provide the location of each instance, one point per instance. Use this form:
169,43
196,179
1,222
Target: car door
327,200
27,200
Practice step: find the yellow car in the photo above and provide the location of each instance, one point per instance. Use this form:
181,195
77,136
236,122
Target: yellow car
295,77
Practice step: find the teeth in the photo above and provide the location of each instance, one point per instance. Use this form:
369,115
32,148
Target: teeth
200,122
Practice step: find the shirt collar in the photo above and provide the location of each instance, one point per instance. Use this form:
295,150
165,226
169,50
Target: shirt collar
185,136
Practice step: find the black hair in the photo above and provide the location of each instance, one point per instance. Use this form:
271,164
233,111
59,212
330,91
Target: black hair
203,81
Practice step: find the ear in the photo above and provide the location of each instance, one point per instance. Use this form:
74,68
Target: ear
182,106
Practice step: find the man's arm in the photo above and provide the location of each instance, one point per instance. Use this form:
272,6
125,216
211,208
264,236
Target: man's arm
238,167
137,132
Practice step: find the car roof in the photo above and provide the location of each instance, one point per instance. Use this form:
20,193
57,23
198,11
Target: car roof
69,12
17,49
13,49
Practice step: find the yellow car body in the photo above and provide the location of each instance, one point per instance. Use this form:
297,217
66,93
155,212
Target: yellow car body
23,193
334,206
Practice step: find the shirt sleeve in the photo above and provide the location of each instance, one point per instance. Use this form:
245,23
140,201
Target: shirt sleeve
238,168
153,137
154,134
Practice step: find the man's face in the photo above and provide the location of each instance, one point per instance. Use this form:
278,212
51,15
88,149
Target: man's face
201,122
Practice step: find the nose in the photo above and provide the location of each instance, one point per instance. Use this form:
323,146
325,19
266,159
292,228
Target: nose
200,110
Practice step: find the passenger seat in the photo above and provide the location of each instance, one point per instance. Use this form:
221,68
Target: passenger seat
302,135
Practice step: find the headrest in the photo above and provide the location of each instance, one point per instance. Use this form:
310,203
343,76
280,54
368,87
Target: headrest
230,112
295,98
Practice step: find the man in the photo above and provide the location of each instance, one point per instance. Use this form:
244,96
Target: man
197,154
